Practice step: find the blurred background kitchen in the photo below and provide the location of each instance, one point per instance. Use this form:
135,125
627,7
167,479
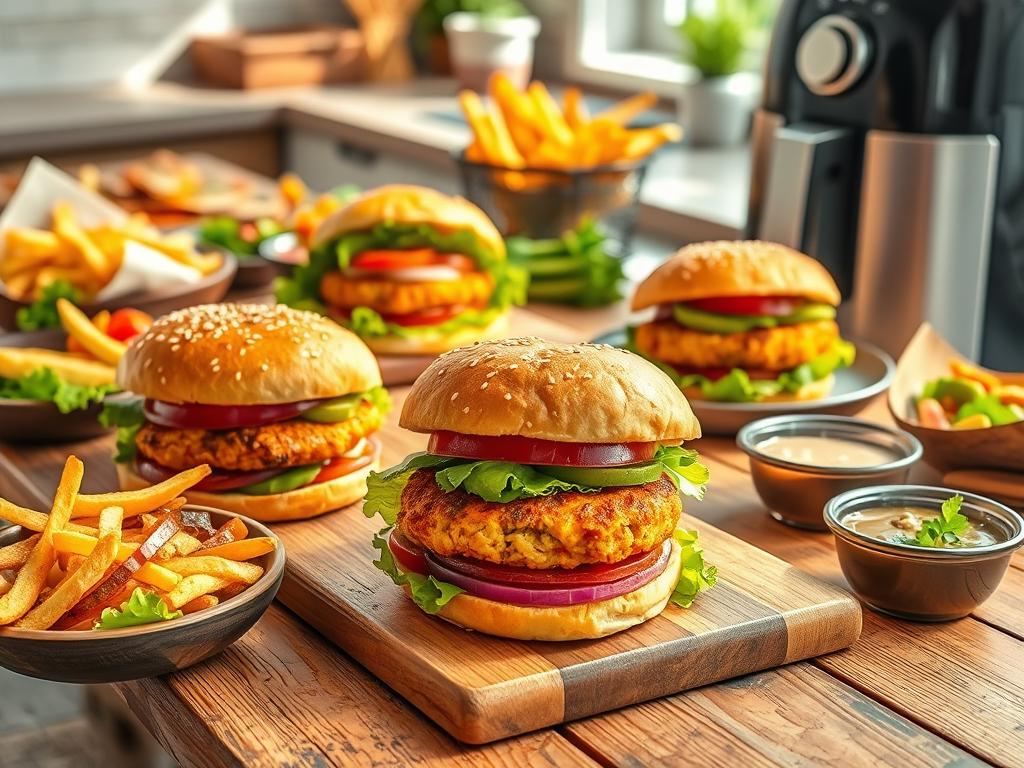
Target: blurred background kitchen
887,143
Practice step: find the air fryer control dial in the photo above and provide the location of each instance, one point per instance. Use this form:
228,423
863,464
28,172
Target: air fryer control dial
832,55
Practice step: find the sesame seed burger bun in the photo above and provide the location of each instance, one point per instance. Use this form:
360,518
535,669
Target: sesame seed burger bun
572,622
581,393
300,504
409,204
743,268
815,390
246,354
433,343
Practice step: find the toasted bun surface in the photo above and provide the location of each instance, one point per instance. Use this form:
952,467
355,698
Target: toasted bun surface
742,268
300,504
582,393
246,354
813,391
572,622
435,343
408,204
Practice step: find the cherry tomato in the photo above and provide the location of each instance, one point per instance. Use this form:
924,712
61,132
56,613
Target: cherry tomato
527,450
385,259
774,306
408,555
343,465
553,578
126,324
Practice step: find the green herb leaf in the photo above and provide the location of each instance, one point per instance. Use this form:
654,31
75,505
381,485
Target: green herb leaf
427,592
127,415
143,607
42,313
45,385
695,576
946,529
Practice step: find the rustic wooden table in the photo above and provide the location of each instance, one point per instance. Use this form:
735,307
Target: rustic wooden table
905,694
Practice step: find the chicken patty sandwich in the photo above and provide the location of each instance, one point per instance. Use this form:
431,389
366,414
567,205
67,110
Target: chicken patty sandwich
283,405
743,321
547,504
410,270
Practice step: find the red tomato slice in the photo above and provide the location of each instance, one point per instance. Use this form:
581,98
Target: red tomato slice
248,231
407,555
420,257
343,465
774,306
430,316
197,416
126,324
552,578
527,450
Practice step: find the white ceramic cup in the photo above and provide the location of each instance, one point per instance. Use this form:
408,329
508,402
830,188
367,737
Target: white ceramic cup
479,46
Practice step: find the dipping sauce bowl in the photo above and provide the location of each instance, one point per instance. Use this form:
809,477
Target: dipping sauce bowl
916,582
795,492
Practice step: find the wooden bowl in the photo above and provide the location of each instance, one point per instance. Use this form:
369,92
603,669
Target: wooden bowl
212,288
32,421
927,357
149,650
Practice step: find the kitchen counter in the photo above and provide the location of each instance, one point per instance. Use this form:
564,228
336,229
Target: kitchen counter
690,194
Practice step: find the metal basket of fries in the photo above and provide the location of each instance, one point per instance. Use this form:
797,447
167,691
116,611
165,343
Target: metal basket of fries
543,203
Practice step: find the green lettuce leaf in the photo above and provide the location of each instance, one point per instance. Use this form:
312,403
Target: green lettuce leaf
384,489
143,607
683,467
365,322
42,313
45,385
695,576
427,592
127,416
503,481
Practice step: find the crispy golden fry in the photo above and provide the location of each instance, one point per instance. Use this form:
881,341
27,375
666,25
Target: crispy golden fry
31,520
84,578
67,229
5,585
180,545
220,567
134,503
481,124
20,286
31,578
81,328
18,362
574,109
642,142
55,576
150,573
550,116
201,603
244,549
90,176
192,587
14,555
627,109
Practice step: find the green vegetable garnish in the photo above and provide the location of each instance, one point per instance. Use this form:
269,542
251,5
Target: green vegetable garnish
288,480
344,408
45,385
991,406
127,416
695,576
226,232
713,322
945,530
42,313
427,592
143,607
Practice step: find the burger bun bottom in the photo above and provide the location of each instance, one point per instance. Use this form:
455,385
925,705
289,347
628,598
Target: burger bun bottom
584,621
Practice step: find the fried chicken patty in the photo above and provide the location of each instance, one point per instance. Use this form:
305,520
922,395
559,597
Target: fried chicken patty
393,297
285,444
559,531
773,349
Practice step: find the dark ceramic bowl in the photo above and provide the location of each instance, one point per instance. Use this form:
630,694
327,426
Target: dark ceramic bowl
794,493
33,421
284,251
922,583
210,289
149,650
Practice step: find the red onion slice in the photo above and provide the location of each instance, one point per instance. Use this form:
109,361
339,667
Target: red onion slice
503,593
217,480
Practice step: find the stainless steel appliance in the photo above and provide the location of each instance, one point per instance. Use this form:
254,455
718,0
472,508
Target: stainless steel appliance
890,145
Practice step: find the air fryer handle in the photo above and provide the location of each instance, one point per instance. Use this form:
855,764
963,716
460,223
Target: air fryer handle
810,195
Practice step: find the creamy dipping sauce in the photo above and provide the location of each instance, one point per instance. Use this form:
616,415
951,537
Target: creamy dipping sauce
892,524
815,451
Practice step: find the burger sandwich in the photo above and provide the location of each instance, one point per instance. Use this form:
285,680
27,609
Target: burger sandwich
283,405
743,322
548,502
410,270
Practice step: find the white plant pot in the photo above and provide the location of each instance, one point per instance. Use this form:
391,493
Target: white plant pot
480,46
716,112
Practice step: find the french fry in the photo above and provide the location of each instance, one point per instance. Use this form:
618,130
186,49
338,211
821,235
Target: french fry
5,585
483,128
32,577
220,567
643,141
624,111
192,587
201,603
180,545
72,589
81,328
31,520
549,115
68,231
507,150
574,109
14,555
231,590
55,576
134,503
245,549
21,361
149,573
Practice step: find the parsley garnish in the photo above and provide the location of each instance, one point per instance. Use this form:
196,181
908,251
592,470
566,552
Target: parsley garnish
945,530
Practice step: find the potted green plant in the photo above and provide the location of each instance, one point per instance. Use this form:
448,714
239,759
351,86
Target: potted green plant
718,39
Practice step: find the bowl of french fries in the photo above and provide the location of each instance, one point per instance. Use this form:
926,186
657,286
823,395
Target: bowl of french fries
966,416
82,261
538,167
118,586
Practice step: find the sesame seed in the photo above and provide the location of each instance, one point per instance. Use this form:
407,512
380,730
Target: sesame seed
264,367
454,396
473,363
568,375
551,379
175,348
513,366
484,385
238,375
163,379
441,372
508,395
588,375
216,369
466,409
529,424
492,374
